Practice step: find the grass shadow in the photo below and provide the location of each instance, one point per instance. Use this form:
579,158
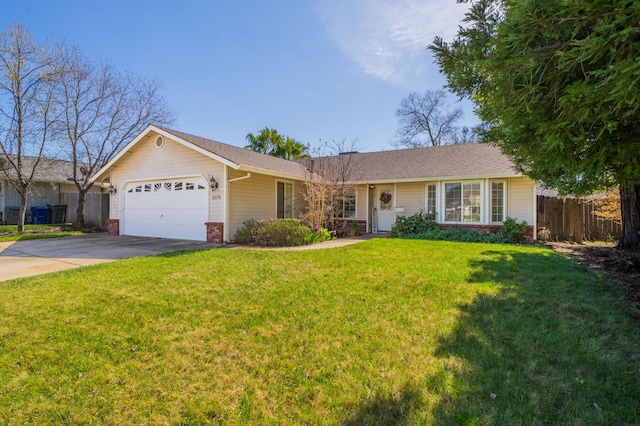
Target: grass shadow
387,410
550,345
36,236
179,253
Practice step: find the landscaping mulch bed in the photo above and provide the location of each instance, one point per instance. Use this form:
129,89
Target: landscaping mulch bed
621,268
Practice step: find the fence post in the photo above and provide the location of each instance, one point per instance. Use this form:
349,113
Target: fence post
573,219
96,208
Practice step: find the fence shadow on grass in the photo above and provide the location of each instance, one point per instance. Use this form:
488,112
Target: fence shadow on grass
541,350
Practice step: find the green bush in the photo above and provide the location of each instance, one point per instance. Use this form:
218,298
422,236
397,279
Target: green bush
249,229
418,223
280,232
462,235
512,231
319,235
423,227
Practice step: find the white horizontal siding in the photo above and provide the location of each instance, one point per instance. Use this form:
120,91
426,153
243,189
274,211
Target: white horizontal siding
410,198
251,198
361,202
520,200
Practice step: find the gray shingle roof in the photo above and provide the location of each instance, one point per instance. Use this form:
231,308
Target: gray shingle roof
48,170
468,160
241,156
449,161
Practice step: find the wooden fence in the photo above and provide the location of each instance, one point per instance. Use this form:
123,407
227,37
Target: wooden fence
96,208
572,219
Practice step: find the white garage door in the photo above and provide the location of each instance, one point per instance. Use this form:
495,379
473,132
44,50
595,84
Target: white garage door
171,208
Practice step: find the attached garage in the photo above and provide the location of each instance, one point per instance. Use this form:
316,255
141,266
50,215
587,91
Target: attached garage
166,208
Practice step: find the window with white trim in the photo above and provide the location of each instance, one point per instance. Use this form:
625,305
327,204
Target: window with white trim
284,200
497,201
462,202
347,205
431,200
153,187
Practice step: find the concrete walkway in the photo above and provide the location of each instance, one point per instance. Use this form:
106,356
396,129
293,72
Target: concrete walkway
34,257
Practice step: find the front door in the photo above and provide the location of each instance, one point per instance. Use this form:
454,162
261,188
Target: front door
386,209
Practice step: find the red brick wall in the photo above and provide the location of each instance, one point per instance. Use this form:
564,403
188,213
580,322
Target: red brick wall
215,232
346,224
528,233
114,227
361,223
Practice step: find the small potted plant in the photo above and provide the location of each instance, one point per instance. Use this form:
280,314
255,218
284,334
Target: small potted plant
354,227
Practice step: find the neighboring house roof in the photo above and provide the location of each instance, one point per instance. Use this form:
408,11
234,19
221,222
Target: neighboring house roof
552,193
48,170
448,161
546,192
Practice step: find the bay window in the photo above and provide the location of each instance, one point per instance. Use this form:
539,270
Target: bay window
462,202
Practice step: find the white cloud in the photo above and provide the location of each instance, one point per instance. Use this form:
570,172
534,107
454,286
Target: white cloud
388,38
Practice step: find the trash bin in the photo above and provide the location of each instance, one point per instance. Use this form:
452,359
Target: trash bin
40,215
57,213
11,215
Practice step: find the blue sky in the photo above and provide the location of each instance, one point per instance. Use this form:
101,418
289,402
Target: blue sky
312,69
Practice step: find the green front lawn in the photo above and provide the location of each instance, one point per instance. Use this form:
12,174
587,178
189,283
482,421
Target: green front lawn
32,232
382,332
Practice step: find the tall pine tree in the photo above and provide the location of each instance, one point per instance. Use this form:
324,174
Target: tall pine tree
557,86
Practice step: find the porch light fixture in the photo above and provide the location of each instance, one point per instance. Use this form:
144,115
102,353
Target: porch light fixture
112,189
213,184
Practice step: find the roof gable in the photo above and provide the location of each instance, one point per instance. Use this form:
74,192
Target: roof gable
232,156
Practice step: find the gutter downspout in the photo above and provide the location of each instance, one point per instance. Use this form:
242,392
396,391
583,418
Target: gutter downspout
240,178
227,199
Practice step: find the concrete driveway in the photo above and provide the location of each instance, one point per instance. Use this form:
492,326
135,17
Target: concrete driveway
34,257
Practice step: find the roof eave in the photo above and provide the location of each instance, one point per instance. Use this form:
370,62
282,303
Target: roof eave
162,132
440,178
268,172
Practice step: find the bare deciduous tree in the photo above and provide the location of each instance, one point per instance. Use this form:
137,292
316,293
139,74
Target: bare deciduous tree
333,173
425,120
27,75
55,103
102,110
465,135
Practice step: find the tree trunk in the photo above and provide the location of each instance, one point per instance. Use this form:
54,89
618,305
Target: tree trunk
23,212
79,222
630,209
